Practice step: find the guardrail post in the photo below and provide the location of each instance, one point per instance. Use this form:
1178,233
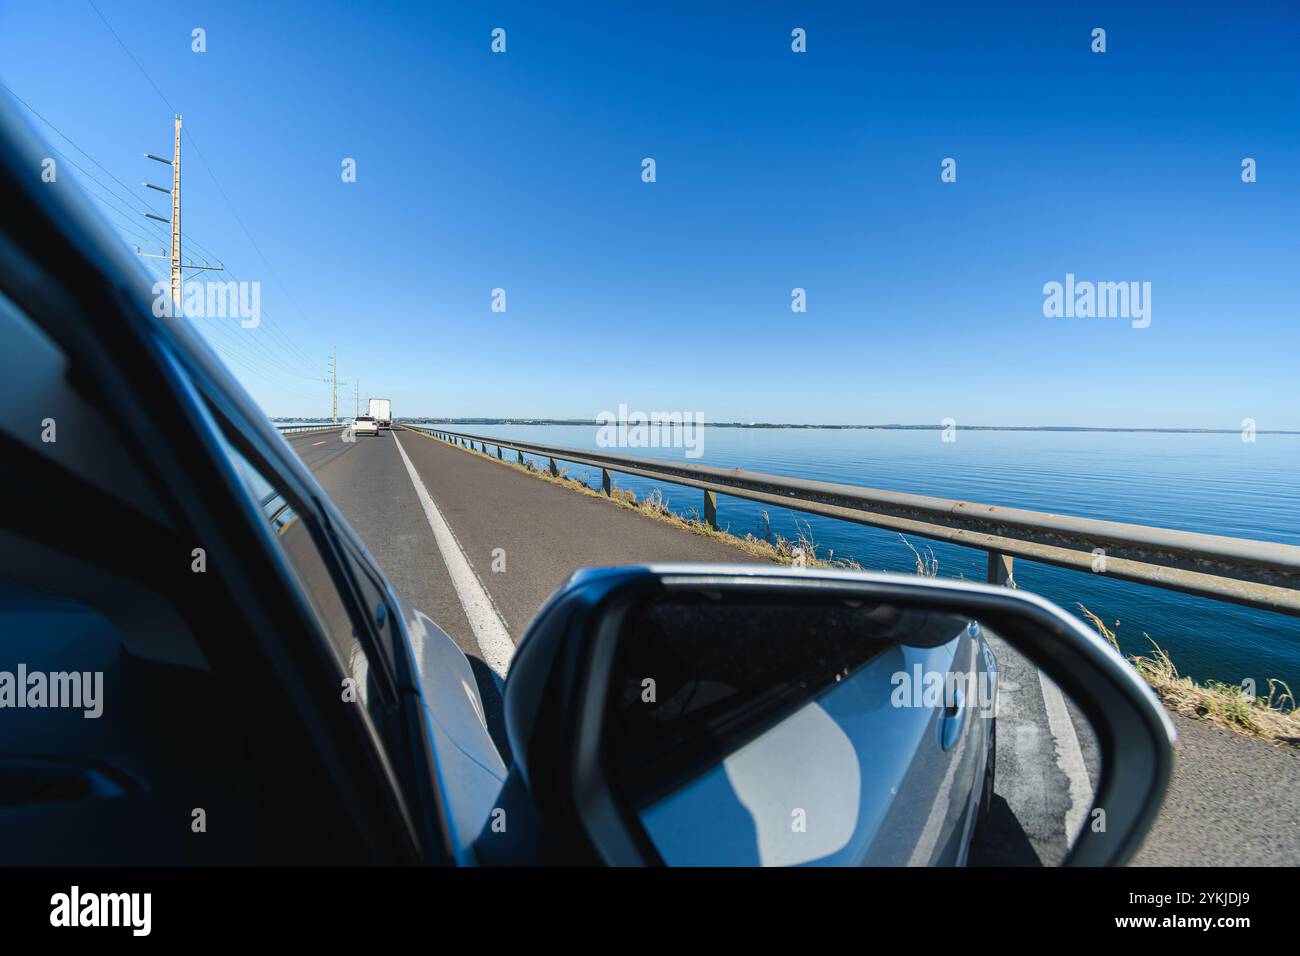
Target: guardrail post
711,509
501,453
1001,570
521,458
604,481
554,470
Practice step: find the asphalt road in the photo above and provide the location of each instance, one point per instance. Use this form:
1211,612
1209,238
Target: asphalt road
1233,801
1043,785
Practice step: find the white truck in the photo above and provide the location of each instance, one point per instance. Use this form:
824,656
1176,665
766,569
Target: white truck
381,410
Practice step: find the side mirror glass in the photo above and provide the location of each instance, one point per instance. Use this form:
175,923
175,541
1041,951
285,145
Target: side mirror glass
757,729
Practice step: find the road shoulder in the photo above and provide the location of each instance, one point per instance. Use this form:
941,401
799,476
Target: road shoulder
1232,802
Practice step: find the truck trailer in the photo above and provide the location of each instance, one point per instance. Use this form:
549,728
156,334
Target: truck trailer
381,410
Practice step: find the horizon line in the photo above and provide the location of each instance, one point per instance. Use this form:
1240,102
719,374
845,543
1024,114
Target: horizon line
892,426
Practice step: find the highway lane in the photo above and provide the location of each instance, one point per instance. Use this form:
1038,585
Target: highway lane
539,532
368,482
318,448
522,538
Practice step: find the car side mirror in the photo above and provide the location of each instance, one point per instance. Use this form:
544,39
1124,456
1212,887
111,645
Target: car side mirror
718,715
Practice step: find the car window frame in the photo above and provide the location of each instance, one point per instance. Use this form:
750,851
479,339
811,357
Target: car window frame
400,745
331,552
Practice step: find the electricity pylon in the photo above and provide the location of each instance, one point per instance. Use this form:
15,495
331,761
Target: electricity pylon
174,222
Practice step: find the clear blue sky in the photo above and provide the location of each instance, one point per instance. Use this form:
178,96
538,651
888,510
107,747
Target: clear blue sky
775,170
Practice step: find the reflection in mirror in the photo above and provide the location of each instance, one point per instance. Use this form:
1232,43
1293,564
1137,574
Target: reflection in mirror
754,729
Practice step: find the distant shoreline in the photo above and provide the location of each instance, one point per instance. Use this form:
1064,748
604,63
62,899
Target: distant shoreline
890,427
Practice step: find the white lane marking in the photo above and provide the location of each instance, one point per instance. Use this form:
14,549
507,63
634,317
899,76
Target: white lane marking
489,629
315,443
1069,757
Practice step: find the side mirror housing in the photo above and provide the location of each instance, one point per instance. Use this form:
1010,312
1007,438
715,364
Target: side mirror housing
689,714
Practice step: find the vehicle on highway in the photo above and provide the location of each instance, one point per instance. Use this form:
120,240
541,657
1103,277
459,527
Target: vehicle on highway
365,425
381,410
237,648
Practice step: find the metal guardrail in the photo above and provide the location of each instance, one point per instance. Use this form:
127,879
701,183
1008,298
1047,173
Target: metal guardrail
287,429
1259,574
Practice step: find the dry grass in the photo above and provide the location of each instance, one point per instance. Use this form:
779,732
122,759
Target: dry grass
1273,718
927,565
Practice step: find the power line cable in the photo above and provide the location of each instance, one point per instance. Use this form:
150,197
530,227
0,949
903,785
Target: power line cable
199,152
158,236
224,345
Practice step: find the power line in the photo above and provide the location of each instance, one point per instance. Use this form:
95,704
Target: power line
117,210
133,214
108,172
254,360
128,199
131,55
131,195
199,152
255,348
233,212
174,260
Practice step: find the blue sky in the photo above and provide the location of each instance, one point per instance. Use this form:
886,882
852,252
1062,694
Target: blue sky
775,170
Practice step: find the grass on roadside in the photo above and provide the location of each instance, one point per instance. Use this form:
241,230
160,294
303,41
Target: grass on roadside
1273,718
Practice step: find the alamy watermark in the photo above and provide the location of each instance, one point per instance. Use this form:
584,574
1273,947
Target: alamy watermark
1102,300
211,300
74,908
54,689
626,429
930,689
